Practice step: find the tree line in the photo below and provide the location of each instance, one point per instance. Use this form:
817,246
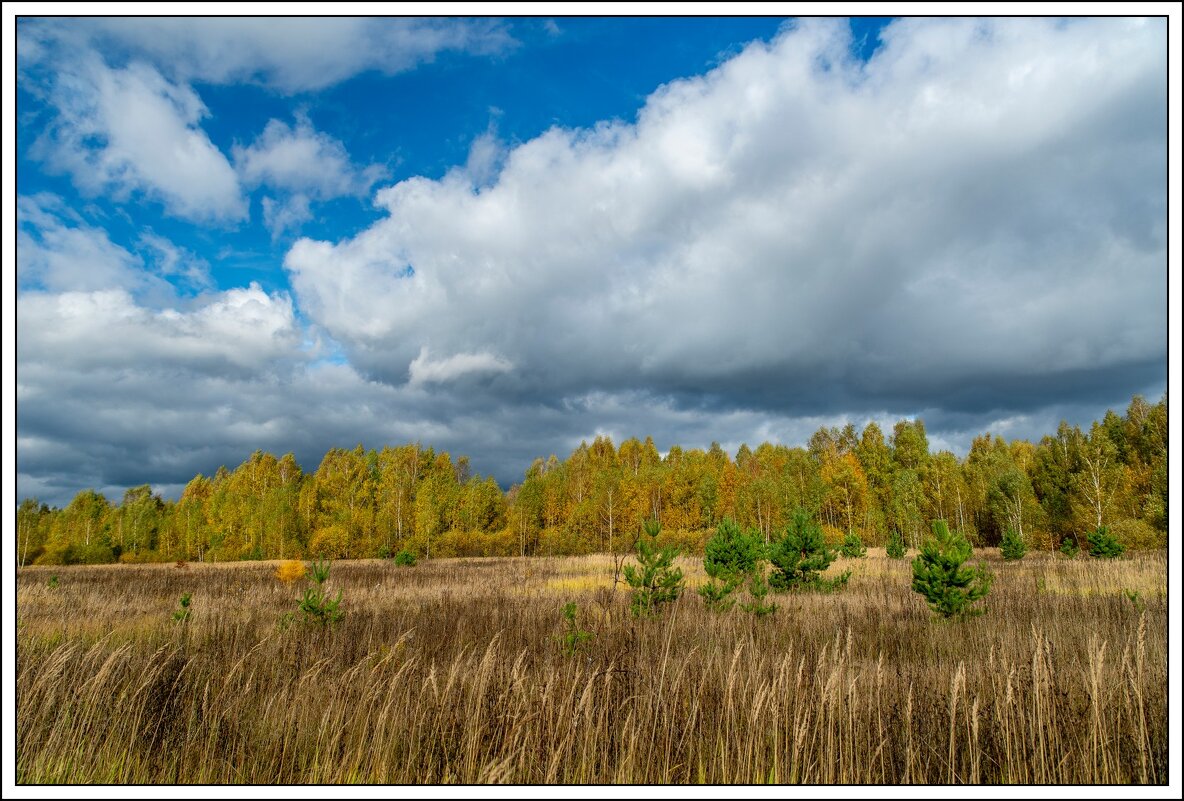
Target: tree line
363,503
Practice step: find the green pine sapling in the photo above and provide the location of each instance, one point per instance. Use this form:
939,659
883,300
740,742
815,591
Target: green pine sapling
318,608
938,574
853,547
800,556
655,580
573,636
182,614
1012,547
729,556
1103,544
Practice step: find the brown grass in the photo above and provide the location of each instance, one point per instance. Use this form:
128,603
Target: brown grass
452,671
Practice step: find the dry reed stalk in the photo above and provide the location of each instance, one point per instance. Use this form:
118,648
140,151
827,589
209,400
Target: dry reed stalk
466,684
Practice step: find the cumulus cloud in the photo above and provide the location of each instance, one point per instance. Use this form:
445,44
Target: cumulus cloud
236,330
129,130
302,159
127,121
287,54
977,212
300,163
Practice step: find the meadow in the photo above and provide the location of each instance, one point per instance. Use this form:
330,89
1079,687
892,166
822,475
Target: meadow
458,671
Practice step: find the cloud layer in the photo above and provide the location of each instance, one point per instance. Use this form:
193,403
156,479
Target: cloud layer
969,227
979,206
285,54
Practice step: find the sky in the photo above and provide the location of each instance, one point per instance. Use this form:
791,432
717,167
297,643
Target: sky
501,237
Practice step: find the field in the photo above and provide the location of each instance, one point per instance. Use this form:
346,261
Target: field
454,671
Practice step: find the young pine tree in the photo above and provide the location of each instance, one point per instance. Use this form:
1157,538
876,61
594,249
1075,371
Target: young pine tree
1103,544
896,549
938,574
853,547
316,605
655,580
758,588
730,556
1012,547
800,556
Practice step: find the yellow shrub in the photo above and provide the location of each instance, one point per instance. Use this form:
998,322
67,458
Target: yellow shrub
290,570
833,536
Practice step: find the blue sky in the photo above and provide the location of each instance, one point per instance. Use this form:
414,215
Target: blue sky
500,237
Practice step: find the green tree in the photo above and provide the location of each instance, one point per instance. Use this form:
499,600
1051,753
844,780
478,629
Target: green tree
939,575
316,605
655,580
853,547
1012,547
729,556
896,549
800,556
1103,544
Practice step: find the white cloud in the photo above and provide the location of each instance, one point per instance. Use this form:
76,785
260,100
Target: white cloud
425,370
281,216
288,54
130,130
486,156
980,203
58,251
240,329
301,159
173,261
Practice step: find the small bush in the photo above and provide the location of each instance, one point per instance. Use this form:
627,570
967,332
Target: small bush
1103,544
290,571
1012,547
573,636
53,582
316,606
896,549
405,558
853,547
938,574
181,564
182,614
1069,547
758,588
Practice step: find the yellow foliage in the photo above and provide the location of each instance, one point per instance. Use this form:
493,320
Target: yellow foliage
290,570
1137,535
833,536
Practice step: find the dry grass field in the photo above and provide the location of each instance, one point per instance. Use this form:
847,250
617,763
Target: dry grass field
454,671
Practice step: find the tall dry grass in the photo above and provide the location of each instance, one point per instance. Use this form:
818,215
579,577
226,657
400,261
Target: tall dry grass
452,672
